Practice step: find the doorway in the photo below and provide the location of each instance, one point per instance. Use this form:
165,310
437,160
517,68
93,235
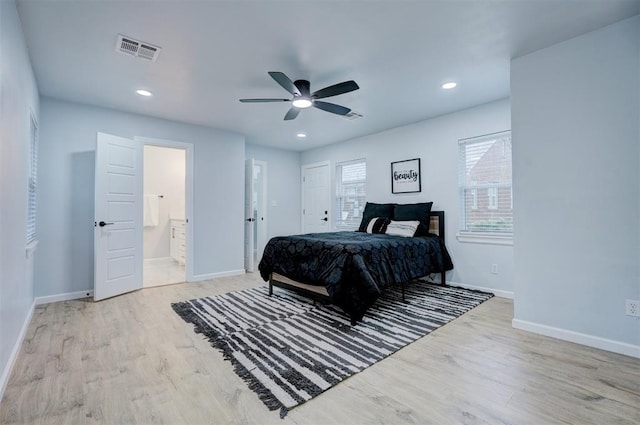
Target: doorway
164,215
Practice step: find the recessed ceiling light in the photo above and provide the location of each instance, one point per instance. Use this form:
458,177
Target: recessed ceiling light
143,92
301,135
449,85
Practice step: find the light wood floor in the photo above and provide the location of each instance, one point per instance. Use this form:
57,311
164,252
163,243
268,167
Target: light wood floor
132,360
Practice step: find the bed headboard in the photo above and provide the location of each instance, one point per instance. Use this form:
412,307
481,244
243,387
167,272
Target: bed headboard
436,223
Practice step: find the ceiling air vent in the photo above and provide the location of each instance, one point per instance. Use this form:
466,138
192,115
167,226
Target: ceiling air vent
137,48
353,115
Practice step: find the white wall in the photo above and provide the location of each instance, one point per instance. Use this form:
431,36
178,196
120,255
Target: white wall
18,99
66,196
576,138
435,141
283,189
164,174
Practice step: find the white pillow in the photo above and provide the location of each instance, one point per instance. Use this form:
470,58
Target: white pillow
377,225
402,228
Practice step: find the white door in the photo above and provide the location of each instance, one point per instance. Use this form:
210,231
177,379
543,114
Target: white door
316,198
118,216
249,236
260,194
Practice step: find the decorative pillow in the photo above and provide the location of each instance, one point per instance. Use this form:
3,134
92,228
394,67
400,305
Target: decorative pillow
377,225
402,228
420,212
372,210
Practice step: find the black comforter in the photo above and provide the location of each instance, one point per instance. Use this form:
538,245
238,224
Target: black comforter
353,266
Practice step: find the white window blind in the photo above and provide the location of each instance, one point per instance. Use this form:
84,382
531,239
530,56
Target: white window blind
351,196
484,183
33,182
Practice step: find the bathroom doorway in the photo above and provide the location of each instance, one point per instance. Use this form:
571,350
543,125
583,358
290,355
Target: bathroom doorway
165,214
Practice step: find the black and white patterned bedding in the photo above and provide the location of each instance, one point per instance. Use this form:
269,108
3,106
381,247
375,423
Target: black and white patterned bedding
354,266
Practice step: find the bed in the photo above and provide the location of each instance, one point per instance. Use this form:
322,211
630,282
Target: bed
351,269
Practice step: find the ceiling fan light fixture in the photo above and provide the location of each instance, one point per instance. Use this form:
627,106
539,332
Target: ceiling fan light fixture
302,102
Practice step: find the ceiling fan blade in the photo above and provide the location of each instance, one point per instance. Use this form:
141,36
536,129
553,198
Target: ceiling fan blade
336,89
263,100
285,82
331,107
292,114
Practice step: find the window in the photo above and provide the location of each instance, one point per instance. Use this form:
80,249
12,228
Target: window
33,182
484,182
492,193
351,193
474,199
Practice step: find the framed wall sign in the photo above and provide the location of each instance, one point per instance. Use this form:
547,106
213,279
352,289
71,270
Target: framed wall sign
405,176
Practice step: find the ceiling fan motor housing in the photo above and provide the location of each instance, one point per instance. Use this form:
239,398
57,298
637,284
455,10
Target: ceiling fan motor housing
304,87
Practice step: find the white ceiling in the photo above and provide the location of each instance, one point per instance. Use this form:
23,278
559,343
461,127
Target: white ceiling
216,52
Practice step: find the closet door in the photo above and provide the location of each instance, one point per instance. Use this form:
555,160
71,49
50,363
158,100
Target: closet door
250,220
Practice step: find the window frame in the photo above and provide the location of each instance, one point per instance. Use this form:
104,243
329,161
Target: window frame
338,223
32,186
481,236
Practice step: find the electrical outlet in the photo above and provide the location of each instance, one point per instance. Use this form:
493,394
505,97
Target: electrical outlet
494,269
632,308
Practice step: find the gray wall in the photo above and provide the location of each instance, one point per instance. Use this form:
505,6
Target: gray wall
283,189
435,141
66,194
18,99
576,138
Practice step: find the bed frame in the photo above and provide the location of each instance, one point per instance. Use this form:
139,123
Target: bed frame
319,293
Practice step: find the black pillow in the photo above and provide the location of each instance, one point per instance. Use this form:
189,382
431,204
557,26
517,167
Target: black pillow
420,212
372,210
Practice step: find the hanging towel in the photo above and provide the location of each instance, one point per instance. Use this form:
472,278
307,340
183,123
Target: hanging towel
151,210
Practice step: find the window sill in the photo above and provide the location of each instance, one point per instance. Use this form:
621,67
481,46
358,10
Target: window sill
485,238
31,248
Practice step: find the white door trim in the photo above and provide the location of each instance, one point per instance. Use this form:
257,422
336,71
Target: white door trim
302,172
188,201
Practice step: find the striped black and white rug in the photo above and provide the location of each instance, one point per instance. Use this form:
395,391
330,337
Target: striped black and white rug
289,351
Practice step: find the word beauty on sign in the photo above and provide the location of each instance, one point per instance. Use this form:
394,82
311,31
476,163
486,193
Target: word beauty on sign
405,175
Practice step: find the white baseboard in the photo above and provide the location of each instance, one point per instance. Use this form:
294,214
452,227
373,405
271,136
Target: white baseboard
579,338
497,292
63,297
6,373
208,276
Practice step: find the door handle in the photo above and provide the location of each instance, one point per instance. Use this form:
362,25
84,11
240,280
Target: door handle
251,219
102,224
324,219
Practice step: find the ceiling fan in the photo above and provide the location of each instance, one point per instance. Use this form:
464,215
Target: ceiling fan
302,98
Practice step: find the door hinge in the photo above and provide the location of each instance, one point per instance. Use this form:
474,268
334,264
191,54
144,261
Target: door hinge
304,211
